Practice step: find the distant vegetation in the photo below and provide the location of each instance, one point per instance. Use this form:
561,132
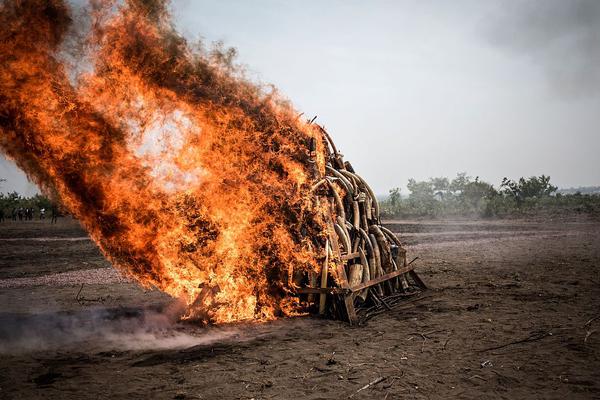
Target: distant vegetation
582,190
441,197
467,196
14,201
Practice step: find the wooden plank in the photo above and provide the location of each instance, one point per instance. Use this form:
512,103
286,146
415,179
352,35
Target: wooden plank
417,279
343,277
324,271
350,311
312,282
382,278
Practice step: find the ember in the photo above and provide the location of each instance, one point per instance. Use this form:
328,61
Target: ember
189,178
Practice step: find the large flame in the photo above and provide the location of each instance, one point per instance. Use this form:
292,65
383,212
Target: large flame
188,177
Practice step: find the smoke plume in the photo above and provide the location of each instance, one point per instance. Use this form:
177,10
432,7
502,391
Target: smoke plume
102,329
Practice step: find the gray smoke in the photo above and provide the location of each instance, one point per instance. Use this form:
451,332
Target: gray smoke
561,36
103,329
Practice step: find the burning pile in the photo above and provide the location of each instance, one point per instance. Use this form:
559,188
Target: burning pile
366,260
189,178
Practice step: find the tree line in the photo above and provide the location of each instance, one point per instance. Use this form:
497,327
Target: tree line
11,203
436,197
468,196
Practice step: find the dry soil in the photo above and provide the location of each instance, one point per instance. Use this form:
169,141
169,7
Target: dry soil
513,311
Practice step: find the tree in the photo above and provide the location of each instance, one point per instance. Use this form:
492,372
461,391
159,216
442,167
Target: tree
421,198
395,197
420,190
458,184
475,192
440,186
41,202
533,187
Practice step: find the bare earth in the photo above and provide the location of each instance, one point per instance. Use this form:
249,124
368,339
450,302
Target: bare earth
513,311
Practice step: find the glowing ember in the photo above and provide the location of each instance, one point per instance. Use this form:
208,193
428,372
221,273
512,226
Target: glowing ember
188,177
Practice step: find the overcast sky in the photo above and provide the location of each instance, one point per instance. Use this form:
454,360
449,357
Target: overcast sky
425,88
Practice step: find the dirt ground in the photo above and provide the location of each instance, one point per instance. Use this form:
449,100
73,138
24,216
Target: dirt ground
513,311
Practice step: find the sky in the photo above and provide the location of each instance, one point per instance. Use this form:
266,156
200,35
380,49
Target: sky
419,89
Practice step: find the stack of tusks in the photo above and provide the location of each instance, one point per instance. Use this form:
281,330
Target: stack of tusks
368,260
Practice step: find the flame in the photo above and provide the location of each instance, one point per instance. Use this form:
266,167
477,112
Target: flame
188,177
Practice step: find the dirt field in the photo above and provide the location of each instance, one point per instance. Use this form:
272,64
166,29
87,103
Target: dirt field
505,318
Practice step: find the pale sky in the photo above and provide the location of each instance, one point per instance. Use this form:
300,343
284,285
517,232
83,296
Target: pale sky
416,89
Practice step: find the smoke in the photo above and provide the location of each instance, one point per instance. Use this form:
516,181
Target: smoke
104,329
562,37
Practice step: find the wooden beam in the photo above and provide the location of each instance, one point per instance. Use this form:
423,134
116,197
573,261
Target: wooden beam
418,280
382,278
324,271
350,311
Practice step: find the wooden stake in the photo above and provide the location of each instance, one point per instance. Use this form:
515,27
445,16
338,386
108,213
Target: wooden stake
324,270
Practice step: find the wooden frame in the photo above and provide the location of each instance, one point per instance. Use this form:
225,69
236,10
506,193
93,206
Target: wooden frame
348,294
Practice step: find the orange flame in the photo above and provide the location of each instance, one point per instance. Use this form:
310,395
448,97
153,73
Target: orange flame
188,177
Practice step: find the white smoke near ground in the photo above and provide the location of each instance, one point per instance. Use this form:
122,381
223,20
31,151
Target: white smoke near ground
103,329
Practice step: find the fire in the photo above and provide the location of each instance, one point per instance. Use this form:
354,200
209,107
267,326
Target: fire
188,177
